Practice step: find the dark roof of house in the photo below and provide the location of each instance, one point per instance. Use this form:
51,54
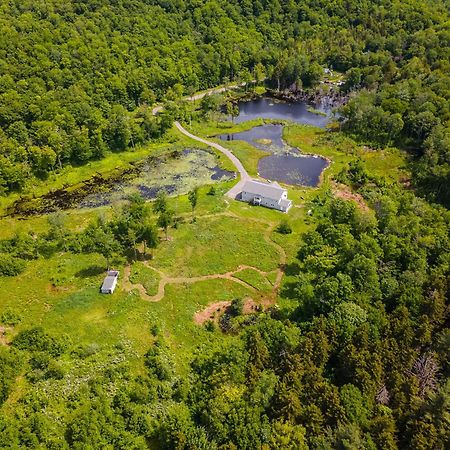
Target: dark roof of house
268,190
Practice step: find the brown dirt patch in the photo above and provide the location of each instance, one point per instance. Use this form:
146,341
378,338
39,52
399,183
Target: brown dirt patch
215,310
344,192
211,312
4,332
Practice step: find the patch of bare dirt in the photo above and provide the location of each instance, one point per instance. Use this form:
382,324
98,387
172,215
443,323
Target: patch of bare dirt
211,312
344,192
215,310
54,289
4,331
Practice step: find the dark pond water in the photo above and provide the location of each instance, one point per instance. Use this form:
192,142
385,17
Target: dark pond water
285,164
269,108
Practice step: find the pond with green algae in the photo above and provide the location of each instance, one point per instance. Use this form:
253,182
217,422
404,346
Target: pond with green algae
176,172
177,175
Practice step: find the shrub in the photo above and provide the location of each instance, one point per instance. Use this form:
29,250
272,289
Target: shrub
10,318
55,371
284,227
10,366
37,340
10,266
237,307
40,360
211,191
159,363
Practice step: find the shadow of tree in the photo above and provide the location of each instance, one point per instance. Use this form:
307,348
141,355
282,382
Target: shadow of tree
288,290
90,271
291,269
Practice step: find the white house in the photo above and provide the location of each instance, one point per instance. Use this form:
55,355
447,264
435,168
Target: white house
271,195
110,282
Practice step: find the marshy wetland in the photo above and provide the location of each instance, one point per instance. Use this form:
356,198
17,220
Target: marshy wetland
176,172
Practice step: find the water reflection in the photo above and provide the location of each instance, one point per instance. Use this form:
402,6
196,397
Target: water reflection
269,108
285,164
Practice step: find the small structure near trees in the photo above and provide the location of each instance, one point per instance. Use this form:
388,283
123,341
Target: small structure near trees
110,282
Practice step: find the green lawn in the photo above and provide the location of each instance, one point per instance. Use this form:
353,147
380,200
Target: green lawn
255,279
215,245
141,274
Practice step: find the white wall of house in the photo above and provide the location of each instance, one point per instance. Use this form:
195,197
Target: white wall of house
114,285
267,202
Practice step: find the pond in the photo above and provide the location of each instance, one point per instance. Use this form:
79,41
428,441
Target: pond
190,168
285,164
270,108
176,172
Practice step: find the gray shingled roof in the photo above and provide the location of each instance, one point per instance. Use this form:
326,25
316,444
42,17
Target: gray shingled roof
268,190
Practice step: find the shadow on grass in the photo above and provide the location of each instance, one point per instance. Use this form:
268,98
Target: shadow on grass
91,271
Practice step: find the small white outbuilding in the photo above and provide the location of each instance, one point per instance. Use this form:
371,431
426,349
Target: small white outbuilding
270,195
110,282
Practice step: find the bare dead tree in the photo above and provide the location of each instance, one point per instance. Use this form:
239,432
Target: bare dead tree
383,397
425,369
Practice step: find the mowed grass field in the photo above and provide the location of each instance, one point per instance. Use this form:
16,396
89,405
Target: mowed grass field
61,293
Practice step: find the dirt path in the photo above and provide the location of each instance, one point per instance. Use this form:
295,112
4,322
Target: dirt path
237,188
129,286
199,96
165,279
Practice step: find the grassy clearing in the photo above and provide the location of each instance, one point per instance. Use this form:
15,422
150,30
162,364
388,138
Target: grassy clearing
247,154
215,245
61,293
174,314
141,274
255,279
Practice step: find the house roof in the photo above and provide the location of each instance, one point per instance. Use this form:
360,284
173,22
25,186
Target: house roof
108,282
268,190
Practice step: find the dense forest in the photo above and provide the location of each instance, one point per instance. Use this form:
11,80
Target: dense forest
360,360
76,78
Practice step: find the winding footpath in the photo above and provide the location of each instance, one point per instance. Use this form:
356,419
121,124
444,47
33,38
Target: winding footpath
232,193
231,275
